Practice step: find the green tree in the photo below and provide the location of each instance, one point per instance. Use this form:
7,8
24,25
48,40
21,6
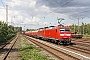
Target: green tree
83,29
6,32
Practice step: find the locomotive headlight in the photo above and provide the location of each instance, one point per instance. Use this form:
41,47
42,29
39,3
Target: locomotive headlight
68,34
61,34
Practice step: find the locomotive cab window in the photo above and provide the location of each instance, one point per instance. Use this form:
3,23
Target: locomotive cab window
64,30
67,30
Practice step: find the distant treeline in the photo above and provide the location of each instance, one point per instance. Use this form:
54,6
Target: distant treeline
7,32
82,29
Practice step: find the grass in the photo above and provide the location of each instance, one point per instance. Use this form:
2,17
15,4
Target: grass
30,52
86,36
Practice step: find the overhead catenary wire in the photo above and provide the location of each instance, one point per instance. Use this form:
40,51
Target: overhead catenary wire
64,5
80,12
59,7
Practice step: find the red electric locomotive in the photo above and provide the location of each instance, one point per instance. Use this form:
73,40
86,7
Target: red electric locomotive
64,34
58,34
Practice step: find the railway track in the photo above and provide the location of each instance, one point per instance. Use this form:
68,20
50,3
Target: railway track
4,44
88,42
5,50
81,44
83,40
59,54
77,48
85,48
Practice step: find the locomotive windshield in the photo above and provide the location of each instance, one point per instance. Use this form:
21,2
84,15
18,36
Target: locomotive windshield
64,30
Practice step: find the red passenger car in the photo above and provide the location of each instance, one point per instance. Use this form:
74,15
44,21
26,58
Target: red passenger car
40,33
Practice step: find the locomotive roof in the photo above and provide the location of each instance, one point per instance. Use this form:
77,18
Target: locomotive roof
51,26
41,28
60,25
64,26
45,27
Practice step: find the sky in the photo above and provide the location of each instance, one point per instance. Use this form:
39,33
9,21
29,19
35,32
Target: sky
34,14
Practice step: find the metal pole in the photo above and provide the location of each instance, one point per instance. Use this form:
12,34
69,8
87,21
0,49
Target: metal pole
74,26
78,25
12,21
83,29
7,14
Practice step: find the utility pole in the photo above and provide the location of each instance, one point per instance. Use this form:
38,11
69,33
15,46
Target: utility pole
83,28
74,26
7,14
12,21
78,25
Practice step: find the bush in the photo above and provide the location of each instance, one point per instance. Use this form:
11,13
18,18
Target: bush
10,36
6,32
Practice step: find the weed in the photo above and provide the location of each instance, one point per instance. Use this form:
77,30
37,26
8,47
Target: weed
30,52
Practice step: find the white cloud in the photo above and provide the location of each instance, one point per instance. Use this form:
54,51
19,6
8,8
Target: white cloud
2,14
32,3
44,8
33,20
14,3
24,10
22,3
